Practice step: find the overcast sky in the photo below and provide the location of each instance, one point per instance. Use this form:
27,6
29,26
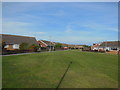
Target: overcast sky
75,23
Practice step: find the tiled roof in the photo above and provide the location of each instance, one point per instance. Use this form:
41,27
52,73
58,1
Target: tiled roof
96,45
14,39
49,43
110,44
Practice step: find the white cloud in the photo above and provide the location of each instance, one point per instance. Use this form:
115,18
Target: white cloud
15,24
40,32
101,27
112,29
15,27
19,28
71,28
83,35
95,26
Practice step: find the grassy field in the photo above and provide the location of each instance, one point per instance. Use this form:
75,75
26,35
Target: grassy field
44,70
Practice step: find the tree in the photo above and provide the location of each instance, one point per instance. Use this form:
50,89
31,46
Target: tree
58,45
86,46
24,46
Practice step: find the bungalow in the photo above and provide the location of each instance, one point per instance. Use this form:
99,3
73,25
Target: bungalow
65,46
47,44
75,46
110,46
78,47
95,47
12,42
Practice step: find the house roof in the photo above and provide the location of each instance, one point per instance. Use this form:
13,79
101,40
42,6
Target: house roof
95,45
49,43
110,44
15,39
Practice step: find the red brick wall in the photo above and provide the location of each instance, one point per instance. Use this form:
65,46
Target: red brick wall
114,52
10,47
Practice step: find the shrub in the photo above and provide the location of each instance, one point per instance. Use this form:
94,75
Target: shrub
24,46
35,47
58,45
2,44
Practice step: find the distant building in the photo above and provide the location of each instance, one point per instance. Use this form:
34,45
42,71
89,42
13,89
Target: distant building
47,44
108,46
71,46
12,42
64,46
95,46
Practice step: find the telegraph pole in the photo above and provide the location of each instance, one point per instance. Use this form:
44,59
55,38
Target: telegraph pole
106,45
50,43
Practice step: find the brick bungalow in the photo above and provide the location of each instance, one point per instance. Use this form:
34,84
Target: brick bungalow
108,46
111,46
75,46
95,47
13,41
47,44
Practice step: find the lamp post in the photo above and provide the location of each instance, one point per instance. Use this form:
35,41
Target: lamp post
50,43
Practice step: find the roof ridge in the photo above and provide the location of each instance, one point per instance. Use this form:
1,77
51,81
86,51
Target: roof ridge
111,41
17,35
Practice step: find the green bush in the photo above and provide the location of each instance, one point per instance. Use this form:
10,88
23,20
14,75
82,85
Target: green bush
58,45
24,46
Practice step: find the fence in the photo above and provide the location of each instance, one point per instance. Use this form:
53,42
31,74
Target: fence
5,52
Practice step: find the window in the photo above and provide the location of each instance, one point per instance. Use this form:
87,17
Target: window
6,46
113,48
16,46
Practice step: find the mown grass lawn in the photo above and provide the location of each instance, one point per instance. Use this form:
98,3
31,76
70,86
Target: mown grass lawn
44,70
